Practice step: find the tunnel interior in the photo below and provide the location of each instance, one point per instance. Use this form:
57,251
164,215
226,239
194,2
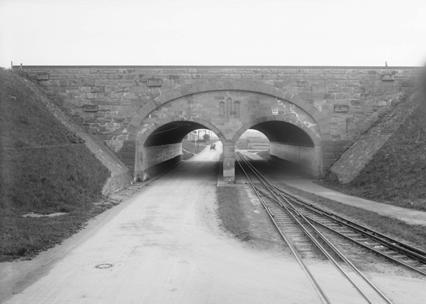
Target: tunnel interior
172,133
253,140
291,149
169,144
285,133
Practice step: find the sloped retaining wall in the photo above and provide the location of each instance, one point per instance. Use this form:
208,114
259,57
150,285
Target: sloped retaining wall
119,173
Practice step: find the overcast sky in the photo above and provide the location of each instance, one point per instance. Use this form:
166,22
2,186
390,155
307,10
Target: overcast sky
197,32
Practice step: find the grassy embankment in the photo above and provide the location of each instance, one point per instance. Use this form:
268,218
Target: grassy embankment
44,169
397,173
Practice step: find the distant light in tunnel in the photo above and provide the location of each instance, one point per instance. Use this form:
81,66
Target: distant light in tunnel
253,140
199,134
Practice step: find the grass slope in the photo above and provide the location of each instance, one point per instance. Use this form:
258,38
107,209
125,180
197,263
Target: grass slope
44,168
397,172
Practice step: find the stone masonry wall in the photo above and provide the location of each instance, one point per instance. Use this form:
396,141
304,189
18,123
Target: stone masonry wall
228,114
119,174
157,154
353,160
108,100
305,157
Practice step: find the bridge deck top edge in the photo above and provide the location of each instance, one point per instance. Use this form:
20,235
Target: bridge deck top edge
216,67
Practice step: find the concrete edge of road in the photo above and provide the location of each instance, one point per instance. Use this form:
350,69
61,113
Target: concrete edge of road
17,275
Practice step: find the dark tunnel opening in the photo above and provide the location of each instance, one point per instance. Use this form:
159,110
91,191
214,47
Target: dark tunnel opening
171,133
291,150
172,143
284,132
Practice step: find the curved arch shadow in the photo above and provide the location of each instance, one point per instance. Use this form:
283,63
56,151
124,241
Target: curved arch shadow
313,133
143,136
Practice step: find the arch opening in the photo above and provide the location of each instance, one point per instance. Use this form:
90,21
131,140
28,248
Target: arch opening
163,146
197,141
284,133
290,143
253,140
228,112
171,133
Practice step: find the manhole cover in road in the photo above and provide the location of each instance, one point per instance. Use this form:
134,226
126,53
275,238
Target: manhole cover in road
104,266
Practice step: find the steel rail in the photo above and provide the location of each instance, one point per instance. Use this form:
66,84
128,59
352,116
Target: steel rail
323,297
277,200
417,252
349,262
343,257
384,239
363,245
321,248
363,230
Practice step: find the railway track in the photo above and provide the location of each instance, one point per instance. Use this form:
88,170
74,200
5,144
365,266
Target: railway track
310,231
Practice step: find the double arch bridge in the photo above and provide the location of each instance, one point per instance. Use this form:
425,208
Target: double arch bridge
309,114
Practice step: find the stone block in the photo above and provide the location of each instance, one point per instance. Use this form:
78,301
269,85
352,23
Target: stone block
154,82
356,102
341,108
42,76
90,108
97,89
389,77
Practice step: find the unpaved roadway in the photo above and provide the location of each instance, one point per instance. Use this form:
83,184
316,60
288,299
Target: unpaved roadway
166,246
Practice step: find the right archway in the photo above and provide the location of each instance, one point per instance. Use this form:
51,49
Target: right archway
290,142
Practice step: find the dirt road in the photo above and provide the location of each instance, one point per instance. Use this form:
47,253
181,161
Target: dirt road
166,246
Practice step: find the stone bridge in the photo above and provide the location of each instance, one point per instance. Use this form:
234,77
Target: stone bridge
310,114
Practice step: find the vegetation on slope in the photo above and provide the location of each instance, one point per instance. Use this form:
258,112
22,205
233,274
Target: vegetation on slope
44,169
397,172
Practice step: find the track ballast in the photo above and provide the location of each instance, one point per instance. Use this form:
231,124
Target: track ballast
310,231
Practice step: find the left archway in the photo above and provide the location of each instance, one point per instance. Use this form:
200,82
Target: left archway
160,143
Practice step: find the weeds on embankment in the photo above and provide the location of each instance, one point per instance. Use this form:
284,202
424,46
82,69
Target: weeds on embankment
44,168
